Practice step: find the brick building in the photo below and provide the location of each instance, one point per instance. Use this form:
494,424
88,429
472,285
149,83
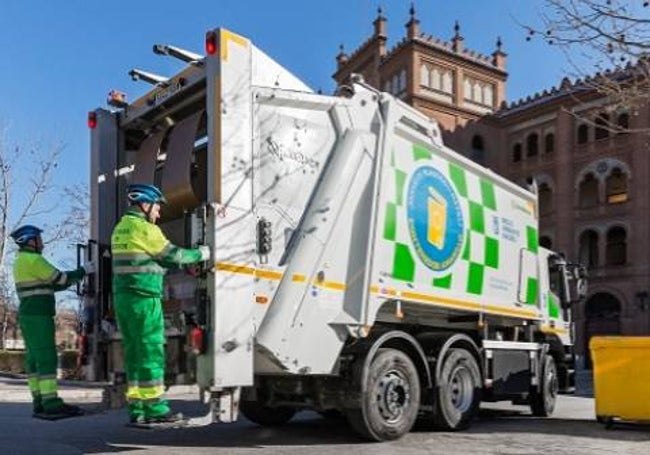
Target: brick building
592,180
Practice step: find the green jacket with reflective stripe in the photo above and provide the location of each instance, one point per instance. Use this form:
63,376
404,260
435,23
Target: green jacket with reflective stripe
141,252
37,280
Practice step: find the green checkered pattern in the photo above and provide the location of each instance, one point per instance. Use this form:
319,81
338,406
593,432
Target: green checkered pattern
532,282
553,305
481,252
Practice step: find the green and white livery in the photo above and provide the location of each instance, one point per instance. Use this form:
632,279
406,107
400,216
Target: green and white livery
359,264
452,230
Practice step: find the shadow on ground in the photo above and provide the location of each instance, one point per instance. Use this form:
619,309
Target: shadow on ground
106,432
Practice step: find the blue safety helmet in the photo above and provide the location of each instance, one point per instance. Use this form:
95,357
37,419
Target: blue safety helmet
140,192
25,233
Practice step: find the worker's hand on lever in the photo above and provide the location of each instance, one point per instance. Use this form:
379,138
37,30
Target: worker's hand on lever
205,252
90,267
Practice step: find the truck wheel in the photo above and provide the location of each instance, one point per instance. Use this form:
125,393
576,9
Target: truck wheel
458,391
542,402
391,402
265,415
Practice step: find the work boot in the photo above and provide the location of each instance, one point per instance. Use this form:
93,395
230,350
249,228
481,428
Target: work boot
37,407
64,410
169,418
137,419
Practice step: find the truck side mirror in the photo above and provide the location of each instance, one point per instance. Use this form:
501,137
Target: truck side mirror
577,278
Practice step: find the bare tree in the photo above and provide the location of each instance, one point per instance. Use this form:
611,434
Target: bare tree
26,184
607,44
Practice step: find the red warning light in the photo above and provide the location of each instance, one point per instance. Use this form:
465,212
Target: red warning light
197,340
92,120
211,43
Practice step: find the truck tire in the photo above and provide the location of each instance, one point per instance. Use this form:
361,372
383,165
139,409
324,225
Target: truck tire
542,402
391,401
458,391
265,415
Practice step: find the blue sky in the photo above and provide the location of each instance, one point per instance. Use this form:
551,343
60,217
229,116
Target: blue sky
61,57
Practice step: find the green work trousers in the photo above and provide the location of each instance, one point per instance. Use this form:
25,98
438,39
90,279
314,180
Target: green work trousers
40,360
140,320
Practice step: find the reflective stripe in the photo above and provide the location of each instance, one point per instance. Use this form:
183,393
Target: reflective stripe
133,393
165,251
47,387
61,278
52,277
33,383
152,393
34,292
128,269
130,256
31,284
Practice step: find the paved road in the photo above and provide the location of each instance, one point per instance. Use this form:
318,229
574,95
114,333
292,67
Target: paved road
502,429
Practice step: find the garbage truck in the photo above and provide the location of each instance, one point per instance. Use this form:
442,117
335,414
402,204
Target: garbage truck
360,267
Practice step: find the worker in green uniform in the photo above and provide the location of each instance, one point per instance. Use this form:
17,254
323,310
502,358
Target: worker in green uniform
141,253
36,282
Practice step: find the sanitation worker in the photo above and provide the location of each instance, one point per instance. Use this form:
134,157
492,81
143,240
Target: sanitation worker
36,282
141,253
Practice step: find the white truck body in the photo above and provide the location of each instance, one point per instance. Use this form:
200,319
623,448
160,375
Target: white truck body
375,227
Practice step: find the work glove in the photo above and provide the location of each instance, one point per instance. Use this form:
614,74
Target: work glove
205,252
90,267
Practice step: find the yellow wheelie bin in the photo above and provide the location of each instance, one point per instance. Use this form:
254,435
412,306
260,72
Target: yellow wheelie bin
621,378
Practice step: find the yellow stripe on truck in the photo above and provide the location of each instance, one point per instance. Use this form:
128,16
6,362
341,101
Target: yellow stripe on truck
381,291
226,37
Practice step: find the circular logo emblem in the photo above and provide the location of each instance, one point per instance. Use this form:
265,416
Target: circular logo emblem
435,218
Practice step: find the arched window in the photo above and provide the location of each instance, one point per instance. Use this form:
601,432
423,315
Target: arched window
588,193
545,198
602,126
532,144
395,89
623,122
447,83
478,93
588,252
616,187
545,242
478,149
424,76
467,89
488,95
549,143
402,81
616,249
436,79
583,134
516,153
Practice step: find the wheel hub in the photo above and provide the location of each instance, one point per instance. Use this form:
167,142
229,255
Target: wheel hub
393,395
461,389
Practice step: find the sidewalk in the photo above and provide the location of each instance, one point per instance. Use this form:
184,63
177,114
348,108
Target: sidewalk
13,389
